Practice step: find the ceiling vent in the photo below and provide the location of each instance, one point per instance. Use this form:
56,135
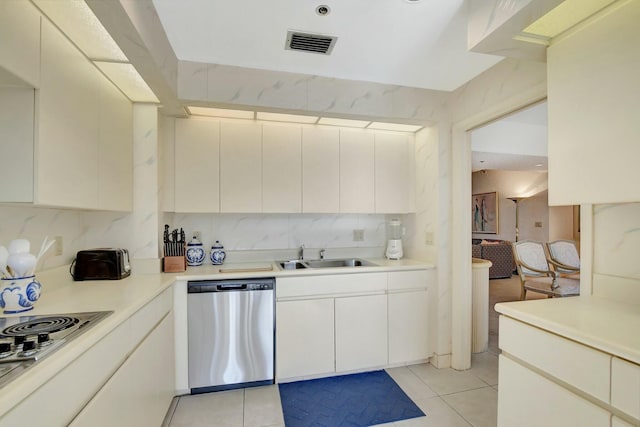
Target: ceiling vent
314,43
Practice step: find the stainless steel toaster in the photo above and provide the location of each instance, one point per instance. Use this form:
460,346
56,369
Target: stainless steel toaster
101,264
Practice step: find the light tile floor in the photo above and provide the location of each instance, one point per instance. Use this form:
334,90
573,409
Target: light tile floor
449,398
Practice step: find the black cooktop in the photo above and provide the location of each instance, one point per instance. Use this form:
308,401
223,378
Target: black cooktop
24,340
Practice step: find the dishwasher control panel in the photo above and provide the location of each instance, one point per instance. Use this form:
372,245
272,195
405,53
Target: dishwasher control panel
260,284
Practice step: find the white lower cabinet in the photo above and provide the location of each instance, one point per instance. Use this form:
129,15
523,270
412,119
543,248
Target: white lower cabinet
361,332
129,372
330,323
617,422
625,387
548,379
304,338
408,326
527,399
140,392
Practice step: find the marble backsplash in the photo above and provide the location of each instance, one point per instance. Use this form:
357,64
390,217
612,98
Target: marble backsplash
616,234
237,232
257,232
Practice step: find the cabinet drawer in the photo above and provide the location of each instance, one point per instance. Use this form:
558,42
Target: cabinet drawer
625,387
526,399
330,284
399,280
564,359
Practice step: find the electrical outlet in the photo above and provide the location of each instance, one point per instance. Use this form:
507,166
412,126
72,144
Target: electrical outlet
58,247
358,235
197,235
538,224
428,237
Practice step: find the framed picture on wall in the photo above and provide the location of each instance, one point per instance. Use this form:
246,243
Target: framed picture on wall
484,213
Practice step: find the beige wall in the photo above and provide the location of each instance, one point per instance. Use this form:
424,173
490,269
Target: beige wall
531,210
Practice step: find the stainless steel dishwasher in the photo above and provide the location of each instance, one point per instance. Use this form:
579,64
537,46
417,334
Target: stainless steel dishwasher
231,333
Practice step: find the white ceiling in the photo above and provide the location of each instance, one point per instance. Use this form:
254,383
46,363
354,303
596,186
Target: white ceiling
419,44
517,142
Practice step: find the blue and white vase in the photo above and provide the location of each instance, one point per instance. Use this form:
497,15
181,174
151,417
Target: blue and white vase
195,252
217,253
18,294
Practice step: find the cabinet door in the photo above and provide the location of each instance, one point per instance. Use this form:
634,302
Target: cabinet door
16,128
361,332
625,387
408,327
20,35
115,150
357,191
68,128
141,389
240,167
526,399
281,168
304,338
197,165
392,172
320,170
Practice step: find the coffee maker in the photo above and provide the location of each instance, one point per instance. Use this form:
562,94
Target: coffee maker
394,239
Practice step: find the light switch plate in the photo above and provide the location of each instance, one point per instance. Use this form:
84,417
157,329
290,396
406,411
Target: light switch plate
58,247
358,235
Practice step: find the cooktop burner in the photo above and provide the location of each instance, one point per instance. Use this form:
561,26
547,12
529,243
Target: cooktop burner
39,326
24,340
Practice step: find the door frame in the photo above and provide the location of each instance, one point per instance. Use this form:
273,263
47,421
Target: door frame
461,298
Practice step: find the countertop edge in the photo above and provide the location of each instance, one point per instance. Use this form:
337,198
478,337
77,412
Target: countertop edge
582,319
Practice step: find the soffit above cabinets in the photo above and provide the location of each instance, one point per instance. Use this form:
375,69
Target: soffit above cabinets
79,24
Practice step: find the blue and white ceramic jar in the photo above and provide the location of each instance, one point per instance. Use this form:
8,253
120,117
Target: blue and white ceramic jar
18,294
217,253
195,252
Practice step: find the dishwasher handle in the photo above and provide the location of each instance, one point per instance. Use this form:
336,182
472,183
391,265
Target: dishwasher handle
232,287
238,285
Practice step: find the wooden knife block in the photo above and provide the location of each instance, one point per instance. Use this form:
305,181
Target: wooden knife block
174,264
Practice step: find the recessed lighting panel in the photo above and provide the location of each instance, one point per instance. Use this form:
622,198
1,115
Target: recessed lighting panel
220,112
343,122
394,126
292,118
126,77
78,22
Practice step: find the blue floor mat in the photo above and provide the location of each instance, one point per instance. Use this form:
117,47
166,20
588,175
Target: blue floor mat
362,400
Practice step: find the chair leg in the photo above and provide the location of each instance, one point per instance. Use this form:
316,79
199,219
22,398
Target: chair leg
523,294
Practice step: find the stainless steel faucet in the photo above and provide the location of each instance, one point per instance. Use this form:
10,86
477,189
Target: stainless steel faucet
321,253
301,252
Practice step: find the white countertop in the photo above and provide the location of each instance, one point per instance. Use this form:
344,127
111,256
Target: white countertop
606,325
60,295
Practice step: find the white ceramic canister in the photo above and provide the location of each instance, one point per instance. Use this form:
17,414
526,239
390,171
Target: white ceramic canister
195,252
217,253
18,294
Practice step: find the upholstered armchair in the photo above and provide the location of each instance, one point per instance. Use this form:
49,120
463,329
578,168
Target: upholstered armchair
536,275
564,257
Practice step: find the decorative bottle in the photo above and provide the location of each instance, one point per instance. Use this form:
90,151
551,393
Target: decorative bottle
195,252
217,253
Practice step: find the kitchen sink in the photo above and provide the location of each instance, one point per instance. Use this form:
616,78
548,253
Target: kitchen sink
333,263
292,265
324,263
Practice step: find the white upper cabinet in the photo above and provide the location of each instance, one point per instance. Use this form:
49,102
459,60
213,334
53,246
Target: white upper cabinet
240,166
281,168
594,129
70,141
357,189
16,128
115,151
68,130
197,165
320,170
392,172
20,46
